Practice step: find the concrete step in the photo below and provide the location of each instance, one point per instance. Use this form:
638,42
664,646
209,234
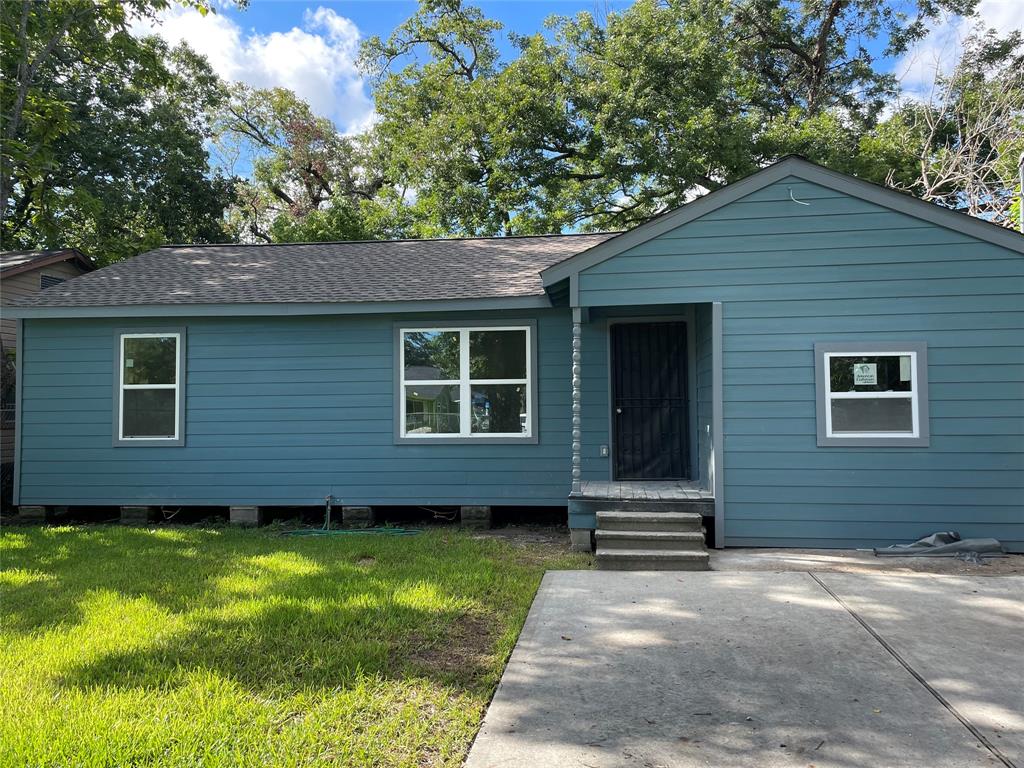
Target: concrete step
677,522
651,540
651,560
584,505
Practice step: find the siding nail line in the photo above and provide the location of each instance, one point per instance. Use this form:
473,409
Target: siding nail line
785,283
917,676
881,261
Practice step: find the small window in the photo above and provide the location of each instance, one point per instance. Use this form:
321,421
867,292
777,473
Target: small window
872,394
149,404
48,281
473,383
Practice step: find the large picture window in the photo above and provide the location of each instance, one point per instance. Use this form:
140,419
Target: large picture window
149,388
872,394
466,382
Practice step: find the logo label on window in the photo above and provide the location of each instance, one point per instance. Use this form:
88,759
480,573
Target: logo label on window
865,374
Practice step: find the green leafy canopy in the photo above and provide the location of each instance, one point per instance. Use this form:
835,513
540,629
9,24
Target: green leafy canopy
103,133
600,121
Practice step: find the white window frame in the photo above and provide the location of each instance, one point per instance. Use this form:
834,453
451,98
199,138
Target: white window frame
918,397
911,396
465,384
176,386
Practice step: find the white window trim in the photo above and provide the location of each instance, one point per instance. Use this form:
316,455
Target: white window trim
465,384
918,395
121,386
912,396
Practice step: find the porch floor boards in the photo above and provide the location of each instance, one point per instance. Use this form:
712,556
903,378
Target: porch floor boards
644,490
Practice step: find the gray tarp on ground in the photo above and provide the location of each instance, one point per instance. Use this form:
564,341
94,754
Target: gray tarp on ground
945,544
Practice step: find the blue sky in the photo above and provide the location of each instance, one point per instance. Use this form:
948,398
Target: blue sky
379,17
310,46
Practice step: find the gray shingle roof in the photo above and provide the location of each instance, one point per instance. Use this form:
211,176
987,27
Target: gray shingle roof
392,270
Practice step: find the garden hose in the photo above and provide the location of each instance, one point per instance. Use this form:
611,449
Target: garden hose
354,532
326,530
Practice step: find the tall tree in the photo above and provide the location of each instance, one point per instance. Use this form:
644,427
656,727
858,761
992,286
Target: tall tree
102,132
437,133
818,54
306,181
959,145
617,119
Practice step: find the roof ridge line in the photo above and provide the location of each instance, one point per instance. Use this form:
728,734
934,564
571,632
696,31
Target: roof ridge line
395,240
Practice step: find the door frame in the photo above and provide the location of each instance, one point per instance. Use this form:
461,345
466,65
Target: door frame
687,316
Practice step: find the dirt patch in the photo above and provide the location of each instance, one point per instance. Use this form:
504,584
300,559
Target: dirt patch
463,653
534,544
554,536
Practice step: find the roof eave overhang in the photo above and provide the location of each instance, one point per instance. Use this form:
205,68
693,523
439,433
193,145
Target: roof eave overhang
790,166
71,254
284,308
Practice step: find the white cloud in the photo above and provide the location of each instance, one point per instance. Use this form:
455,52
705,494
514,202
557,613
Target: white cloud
938,52
316,61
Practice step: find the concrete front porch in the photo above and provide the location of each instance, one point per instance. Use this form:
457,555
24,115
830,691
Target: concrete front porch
635,496
642,524
643,490
646,429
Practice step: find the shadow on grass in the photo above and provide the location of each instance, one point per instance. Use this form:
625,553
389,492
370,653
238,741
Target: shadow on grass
287,647
65,564
275,614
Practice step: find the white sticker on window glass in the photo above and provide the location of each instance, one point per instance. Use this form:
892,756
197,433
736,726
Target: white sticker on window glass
865,374
904,367
129,363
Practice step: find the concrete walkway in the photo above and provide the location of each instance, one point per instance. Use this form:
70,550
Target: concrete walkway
763,669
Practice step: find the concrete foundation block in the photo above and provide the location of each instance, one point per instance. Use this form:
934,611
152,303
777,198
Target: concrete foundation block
475,517
357,517
134,515
248,516
34,514
581,539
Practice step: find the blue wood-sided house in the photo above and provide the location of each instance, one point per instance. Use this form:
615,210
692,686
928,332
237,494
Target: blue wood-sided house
824,361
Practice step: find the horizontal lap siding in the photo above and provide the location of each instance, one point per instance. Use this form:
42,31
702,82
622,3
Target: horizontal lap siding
20,286
705,383
278,411
843,269
25,285
595,407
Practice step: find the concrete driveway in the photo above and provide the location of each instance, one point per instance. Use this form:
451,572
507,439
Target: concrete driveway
763,669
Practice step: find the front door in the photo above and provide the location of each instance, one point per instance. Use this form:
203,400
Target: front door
649,401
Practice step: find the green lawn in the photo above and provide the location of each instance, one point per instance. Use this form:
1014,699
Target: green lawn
183,646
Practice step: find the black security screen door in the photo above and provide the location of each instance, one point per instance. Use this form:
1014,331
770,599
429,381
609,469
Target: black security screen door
649,408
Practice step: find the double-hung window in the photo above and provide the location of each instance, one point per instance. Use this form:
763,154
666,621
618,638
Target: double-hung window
473,383
872,394
149,401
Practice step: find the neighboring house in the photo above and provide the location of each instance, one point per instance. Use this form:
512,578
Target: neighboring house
23,274
811,359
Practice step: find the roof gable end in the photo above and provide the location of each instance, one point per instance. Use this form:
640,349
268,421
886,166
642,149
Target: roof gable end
790,168
16,262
